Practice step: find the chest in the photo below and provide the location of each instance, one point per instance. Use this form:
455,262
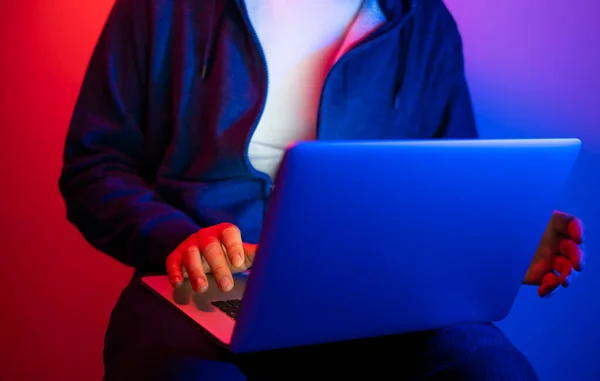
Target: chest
300,28
215,114
301,38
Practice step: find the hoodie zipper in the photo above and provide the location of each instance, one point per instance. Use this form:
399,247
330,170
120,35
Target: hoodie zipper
267,181
382,31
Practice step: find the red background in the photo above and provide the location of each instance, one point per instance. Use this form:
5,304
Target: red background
57,291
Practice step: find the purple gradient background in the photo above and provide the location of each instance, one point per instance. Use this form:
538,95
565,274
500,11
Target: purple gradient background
534,71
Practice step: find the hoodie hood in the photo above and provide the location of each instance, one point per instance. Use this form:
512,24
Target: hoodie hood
394,10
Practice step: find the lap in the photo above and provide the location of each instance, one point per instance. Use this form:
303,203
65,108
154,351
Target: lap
463,352
147,340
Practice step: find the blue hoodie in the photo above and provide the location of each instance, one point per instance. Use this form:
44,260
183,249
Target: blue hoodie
157,146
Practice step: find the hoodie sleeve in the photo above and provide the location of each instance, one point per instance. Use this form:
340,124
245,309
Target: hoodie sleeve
107,197
458,119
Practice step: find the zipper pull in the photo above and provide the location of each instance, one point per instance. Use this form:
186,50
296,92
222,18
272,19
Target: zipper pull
269,186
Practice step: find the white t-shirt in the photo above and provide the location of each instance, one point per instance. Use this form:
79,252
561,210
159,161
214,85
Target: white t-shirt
301,40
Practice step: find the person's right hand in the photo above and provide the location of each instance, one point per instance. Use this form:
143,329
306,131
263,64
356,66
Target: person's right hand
218,250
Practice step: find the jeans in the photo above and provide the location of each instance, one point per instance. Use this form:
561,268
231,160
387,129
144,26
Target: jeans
148,340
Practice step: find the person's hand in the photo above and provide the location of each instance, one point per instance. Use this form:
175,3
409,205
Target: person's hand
218,250
559,256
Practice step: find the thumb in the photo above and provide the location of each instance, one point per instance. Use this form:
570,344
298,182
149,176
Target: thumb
250,252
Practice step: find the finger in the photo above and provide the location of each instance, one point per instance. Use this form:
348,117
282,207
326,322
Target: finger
192,261
564,270
210,246
560,222
549,284
572,252
568,225
576,230
231,238
249,252
174,272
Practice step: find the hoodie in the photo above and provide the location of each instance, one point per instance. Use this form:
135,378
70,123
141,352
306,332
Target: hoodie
157,147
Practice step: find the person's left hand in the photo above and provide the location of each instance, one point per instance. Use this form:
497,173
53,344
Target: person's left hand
559,256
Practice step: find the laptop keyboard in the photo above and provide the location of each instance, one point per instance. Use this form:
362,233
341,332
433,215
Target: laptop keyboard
230,307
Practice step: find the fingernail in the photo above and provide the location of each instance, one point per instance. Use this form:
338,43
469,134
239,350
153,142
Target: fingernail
238,260
175,281
225,284
201,285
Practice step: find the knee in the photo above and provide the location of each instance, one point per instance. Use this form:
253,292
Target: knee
186,368
494,363
478,352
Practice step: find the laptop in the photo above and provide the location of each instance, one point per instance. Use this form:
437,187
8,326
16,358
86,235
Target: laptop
366,239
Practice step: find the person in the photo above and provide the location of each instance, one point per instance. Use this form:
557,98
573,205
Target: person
183,117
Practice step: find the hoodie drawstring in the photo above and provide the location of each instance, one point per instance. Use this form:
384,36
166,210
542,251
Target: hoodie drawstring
208,42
